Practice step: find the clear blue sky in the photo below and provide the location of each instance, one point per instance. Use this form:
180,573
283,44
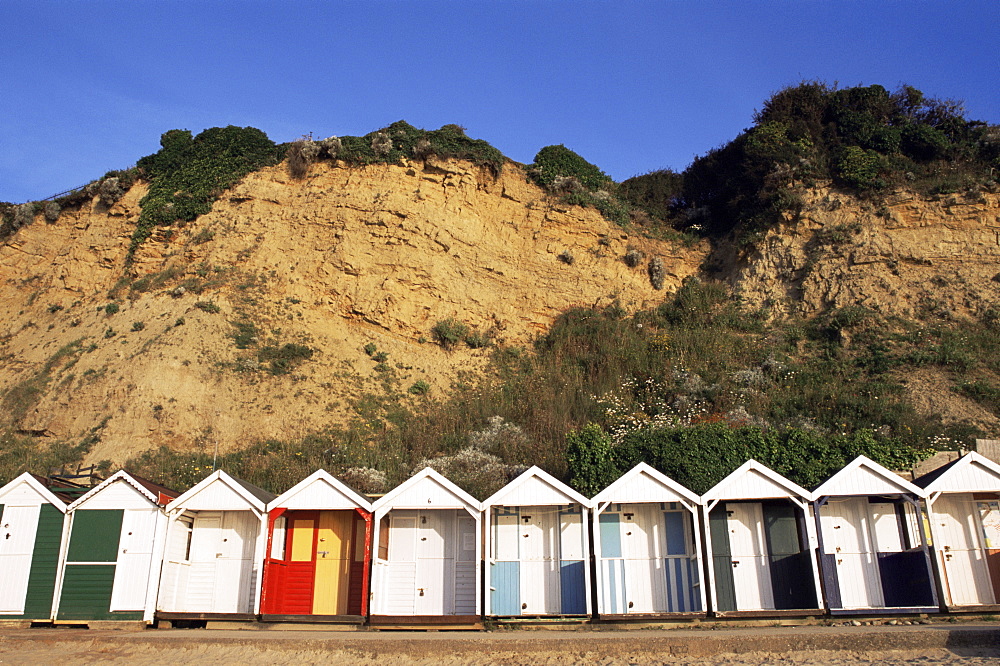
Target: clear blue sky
631,85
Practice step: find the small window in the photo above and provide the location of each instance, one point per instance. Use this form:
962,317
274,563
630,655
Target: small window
278,539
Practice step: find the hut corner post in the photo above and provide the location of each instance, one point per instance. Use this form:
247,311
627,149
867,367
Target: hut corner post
708,562
265,579
936,584
366,576
825,576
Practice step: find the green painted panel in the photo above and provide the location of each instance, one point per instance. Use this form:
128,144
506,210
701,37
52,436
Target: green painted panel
789,564
86,591
95,535
1,511
781,529
44,562
722,560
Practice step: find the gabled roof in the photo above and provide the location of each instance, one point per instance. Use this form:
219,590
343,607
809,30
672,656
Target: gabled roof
535,487
206,495
38,486
320,490
753,480
644,483
973,472
155,493
863,476
427,489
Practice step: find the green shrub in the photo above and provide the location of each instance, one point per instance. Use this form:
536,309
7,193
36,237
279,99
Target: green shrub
111,308
246,334
590,459
553,163
138,326
283,359
208,306
861,169
477,339
370,348
400,141
449,332
189,173
419,387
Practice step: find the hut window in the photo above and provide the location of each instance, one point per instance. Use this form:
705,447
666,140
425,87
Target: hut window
383,538
278,539
989,514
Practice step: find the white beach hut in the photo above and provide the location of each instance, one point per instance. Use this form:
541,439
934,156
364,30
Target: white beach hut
539,553
214,551
759,543
112,550
647,547
963,506
873,553
318,560
31,527
427,563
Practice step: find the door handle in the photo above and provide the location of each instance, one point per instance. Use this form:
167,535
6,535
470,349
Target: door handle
421,590
736,563
322,552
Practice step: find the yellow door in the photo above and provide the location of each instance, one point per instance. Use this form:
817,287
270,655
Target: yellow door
333,561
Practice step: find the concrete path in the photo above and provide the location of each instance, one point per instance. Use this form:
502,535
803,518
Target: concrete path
932,644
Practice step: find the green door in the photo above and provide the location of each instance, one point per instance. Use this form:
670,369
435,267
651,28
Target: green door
722,560
789,562
90,565
44,563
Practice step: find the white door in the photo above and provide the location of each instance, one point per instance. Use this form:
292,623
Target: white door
205,538
751,574
435,563
642,549
538,537
17,543
466,578
234,577
135,552
967,578
399,590
846,535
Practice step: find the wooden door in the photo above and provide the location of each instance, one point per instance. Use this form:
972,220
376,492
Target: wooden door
206,538
505,574
333,562
846,535
466,578
540,591
135,553
18,526
967,578
295,597
435,559
399,588
642,549
235,580
751,576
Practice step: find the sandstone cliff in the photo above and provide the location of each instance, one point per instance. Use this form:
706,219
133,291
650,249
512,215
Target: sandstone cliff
345,258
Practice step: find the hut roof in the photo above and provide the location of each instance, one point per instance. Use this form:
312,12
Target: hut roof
754,480
536,487
427,489
644,483
320,490
222,492
863,476
971,473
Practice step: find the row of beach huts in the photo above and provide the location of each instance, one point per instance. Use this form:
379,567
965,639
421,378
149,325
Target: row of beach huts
866,541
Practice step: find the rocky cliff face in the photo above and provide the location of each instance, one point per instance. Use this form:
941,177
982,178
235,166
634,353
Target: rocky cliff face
909,257
345,258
